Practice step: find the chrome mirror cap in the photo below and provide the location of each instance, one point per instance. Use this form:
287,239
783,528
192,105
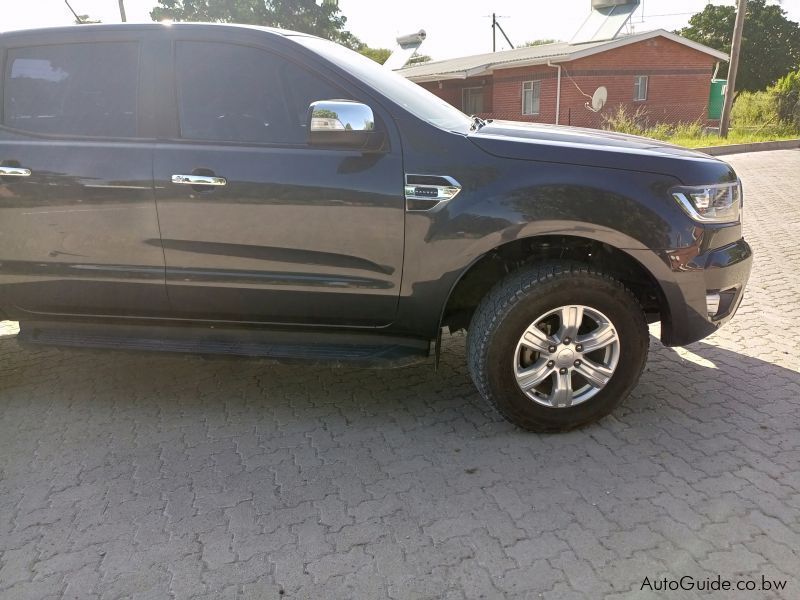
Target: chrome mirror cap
340,115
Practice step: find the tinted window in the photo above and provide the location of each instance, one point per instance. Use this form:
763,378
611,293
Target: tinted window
73,89
241,94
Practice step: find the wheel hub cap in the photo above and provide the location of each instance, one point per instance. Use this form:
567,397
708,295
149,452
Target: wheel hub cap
566,356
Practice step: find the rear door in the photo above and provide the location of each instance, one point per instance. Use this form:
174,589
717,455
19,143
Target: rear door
296,234
78,223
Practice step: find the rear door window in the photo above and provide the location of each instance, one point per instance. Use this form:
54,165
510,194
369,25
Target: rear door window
233,93
73,89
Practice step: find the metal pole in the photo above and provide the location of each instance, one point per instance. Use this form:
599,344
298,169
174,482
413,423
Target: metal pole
494,32
122,11
503,31
736,48
77,18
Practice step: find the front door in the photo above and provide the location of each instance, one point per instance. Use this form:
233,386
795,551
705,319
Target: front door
77,208
289,233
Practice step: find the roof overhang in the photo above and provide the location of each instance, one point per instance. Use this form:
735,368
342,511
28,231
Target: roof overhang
474,72
632,39
576,54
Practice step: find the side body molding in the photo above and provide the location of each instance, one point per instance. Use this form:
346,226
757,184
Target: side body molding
426,192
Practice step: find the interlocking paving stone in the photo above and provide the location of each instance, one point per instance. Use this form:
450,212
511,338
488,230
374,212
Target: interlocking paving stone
154,476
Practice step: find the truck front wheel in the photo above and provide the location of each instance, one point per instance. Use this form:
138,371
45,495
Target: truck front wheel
557,346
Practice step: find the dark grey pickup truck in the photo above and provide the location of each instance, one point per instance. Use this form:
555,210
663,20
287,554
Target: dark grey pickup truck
255,192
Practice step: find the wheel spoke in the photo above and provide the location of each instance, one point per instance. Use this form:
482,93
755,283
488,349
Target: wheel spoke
599,338
566,356
571,319
595,374
533,375
562,394
536,339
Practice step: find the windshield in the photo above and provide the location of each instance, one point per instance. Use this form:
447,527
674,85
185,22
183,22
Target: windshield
415,99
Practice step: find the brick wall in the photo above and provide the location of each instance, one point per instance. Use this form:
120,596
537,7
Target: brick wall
452,90
679,81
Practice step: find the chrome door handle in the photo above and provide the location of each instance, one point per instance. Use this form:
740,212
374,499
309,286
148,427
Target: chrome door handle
14,172
199,180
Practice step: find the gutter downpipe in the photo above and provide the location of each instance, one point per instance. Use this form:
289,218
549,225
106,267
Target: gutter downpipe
558,91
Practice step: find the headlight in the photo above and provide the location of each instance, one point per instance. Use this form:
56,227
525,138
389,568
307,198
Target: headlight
711,204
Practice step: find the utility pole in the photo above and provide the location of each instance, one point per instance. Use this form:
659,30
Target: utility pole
736,49
495,26
122,11
494,32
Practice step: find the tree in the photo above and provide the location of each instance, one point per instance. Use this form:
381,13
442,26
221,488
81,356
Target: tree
418,59
786,94
379,55
324,20
540,42
770,46
86,20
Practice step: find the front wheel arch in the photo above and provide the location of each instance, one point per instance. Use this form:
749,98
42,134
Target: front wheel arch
484,273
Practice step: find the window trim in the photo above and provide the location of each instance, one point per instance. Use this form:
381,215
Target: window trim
464,90
637,87
5,65
533,83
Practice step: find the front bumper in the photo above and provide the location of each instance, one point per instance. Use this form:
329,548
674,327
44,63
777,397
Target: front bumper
698,283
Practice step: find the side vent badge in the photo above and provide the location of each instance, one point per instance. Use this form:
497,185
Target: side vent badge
426,192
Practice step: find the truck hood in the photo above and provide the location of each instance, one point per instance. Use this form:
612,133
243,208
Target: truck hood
595,148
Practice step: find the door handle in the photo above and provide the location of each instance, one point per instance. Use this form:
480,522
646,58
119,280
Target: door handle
199,180
14,172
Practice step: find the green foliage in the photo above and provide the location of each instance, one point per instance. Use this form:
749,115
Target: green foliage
770,45
324,113
746,129
754,109
623,120
379,55
86,20
324,20
540,42
786,93
418,59
778,106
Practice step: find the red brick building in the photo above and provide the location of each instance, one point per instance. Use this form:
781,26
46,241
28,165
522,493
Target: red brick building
665,75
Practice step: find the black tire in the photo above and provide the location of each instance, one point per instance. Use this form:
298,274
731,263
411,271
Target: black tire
516,302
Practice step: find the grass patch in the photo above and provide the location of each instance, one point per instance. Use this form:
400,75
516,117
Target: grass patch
754,123
734,137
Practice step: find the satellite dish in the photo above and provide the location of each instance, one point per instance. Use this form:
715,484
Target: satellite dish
599,99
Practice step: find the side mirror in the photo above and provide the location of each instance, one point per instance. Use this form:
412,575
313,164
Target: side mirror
343,124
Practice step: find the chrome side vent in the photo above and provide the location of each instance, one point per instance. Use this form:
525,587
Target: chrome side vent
426,192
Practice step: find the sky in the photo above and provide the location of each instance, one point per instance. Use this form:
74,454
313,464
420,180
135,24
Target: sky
454,27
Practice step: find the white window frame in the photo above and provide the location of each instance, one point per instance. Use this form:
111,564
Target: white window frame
464,92
640,82
534,87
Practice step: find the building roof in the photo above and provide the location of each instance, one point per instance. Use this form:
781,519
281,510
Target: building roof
482,64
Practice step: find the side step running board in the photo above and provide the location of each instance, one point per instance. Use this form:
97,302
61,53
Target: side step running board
328,347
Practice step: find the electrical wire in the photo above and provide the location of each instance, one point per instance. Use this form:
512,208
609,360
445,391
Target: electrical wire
577,87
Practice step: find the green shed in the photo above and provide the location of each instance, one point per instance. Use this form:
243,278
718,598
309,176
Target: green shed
716,98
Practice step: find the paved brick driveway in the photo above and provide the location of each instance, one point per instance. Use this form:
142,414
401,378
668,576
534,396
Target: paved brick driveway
156,476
